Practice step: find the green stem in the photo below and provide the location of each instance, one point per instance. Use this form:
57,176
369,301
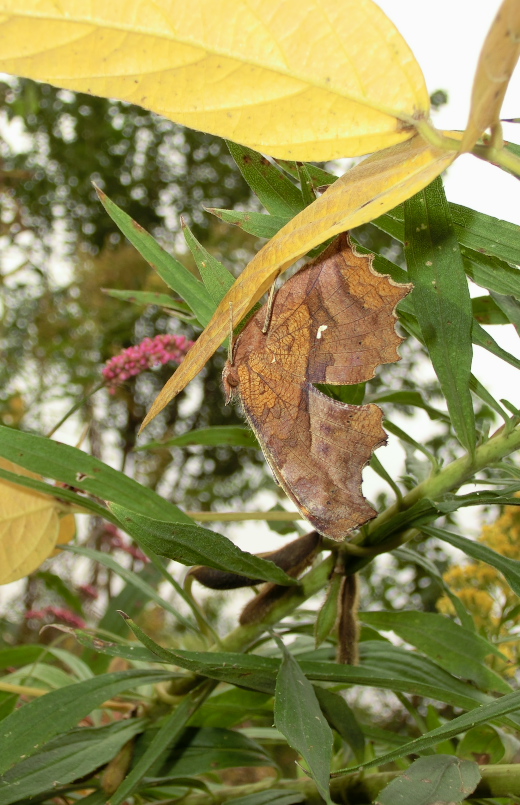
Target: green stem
498,156
75,408
451,477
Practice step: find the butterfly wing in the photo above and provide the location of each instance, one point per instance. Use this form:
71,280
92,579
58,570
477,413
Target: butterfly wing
333,322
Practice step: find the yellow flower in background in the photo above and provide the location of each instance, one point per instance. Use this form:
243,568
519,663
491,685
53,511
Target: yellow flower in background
483,590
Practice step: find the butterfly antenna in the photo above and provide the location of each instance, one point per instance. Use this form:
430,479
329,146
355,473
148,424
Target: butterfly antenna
230,344
269,307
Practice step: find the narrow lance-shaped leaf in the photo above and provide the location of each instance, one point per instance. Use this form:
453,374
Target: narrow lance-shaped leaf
442,301
217,436
194,545
298,716
510,568
480,715
454,648
71,756
365,191
27,729
166,737
84,472
174,274
274,189
215,276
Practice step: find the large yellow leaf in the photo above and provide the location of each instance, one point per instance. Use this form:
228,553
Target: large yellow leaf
308,80
29,526
497,61
371,188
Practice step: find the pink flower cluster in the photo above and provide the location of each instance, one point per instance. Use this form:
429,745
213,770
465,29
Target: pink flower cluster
60,613
149,353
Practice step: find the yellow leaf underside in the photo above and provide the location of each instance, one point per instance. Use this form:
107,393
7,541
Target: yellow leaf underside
497,62
371,188
29,526
295,80
29,529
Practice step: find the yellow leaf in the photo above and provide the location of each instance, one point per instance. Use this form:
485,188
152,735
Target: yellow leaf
29,526
67,531
373,187
310,80
496,64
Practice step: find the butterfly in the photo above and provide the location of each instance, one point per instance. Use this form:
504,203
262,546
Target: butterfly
333,322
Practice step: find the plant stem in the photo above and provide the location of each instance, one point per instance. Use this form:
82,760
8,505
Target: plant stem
504,442
451,477
497,781
74,408
498,156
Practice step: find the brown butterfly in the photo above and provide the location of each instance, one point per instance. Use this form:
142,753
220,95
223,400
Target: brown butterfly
332,322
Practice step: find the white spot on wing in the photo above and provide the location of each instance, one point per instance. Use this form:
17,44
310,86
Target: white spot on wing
321,329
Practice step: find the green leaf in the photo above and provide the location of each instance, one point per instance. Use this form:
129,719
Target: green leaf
70,757
151,298
424,511
510,568
491,273
298,716
206,749
442,302
510,307
328,614
486,311
457,650
306,184
342,718
318,175
80,470
485,234
166,737
131,578
194,545
215,276
482,339
131,652
276,192
413,398
477,232
351,395
498,708
227,709
255,223
408,555
274,796
482,741
434,780
174,274
217,436
30,727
